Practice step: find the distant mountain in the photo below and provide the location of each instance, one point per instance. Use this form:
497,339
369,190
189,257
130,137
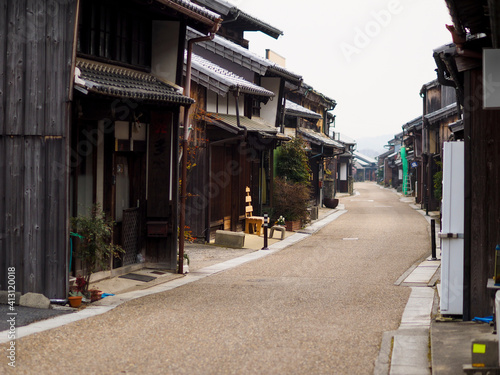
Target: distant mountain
373,146
369,152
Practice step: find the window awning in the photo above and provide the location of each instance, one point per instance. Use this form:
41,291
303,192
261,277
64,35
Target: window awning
230,123
296,110
115,81
320,139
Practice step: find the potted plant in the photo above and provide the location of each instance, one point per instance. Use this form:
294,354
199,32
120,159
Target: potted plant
76,292
280,222
291,199
94,248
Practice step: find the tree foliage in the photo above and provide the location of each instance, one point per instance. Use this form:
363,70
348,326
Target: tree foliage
292,162
292,188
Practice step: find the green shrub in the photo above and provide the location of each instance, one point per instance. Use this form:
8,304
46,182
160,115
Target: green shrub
292,162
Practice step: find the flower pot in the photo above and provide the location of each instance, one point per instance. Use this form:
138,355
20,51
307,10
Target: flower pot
75,301
330,202
293,226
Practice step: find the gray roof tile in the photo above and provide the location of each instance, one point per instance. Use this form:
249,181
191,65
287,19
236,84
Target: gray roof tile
319,138
110,80
294,109
221,80
252,125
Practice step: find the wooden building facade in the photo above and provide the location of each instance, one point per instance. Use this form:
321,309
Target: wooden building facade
89,113
36,61
460,66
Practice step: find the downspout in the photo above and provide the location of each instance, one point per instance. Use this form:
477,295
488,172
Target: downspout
238,123
185,137
321,153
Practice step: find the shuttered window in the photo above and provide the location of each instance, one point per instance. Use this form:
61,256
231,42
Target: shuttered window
113,33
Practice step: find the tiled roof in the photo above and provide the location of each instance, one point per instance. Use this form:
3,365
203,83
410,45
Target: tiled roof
385,154
346,139
252,125
319,138
416,124
243,20
440,114
306,89
110,80
242,56
456,126
364,158
293,109
221,80
188,8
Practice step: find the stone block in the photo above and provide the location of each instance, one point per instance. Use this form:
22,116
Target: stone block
35,300
227,238
314,212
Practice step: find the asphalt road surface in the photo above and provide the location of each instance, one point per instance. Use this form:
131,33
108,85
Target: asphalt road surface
317,307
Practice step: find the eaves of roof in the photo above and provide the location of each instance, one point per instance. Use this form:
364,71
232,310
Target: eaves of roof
346,139
362,164
221,80
306,89
385,154
242,56
473,15
429,85
416,124
194,11
440,114
243,20
319,138
252,125
296,110
456,126
364,158
115,81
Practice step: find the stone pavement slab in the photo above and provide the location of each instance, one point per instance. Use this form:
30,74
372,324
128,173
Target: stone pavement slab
423,274
410,353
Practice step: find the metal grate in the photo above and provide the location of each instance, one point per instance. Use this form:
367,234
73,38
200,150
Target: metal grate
130,235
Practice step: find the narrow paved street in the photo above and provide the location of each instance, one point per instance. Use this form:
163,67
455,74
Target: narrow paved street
317,307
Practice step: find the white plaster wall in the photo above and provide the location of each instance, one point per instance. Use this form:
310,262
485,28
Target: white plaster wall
268,111
165,40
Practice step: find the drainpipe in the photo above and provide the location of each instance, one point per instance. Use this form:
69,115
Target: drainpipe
236,100
185,136
321,153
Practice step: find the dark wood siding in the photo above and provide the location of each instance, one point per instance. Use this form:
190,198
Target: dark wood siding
482,210
36,50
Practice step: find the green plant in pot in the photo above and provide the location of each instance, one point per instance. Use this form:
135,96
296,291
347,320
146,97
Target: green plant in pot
95,247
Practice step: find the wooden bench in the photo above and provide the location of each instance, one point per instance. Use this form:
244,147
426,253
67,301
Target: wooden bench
253,224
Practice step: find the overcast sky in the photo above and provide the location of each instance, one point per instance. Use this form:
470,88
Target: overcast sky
371,56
